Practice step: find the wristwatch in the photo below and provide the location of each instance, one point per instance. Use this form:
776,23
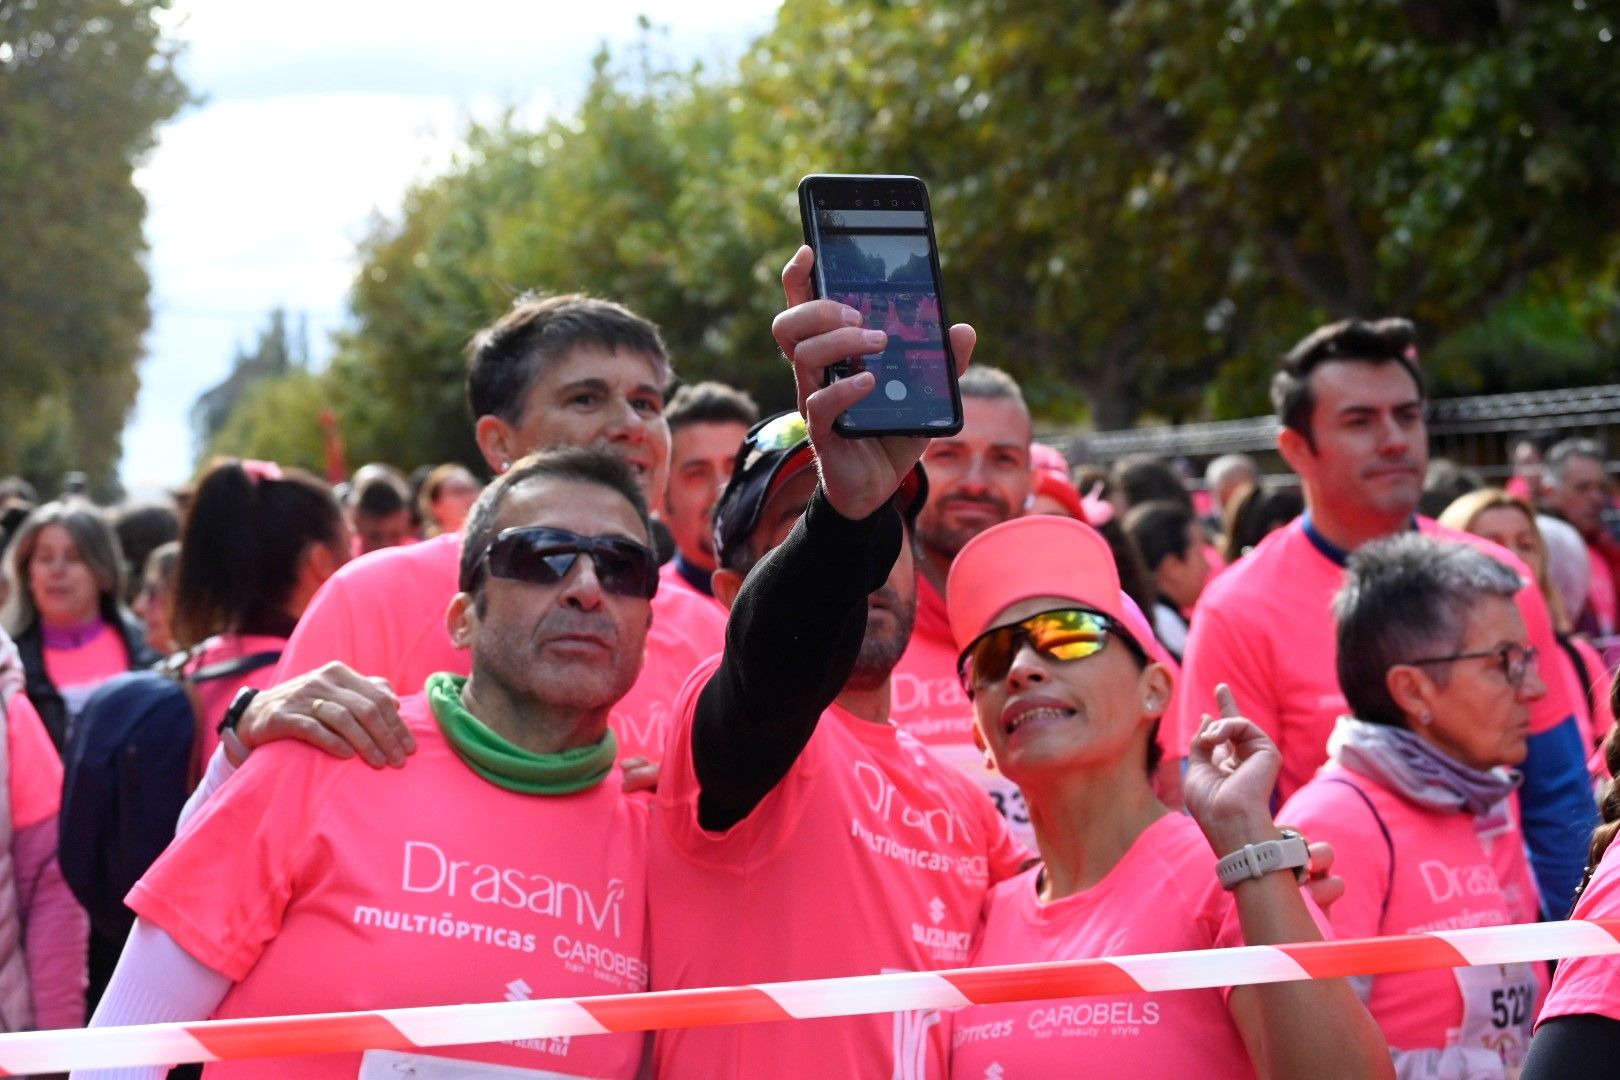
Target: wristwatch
1258,860
244,697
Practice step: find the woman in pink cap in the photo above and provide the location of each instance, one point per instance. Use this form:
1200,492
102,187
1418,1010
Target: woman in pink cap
1067,703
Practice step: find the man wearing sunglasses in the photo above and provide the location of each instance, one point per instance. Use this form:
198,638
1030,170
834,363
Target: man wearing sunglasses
1351,401
798,833
505,862
554,371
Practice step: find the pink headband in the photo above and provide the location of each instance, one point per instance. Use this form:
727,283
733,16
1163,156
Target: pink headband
260,470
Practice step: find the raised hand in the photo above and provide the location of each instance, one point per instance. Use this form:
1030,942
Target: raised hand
858,475
1232,769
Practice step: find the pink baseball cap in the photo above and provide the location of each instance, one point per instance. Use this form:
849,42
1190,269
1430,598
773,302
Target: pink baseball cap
1041,555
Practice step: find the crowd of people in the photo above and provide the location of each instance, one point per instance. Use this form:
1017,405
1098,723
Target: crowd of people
688,697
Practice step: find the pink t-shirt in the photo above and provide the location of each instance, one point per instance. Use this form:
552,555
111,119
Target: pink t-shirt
214,696
669,578
35,777
320,884
1590,984
384,614
1601,593
1602,696
1452,871
77,672
1181,1033
1265,627
927,701
869,856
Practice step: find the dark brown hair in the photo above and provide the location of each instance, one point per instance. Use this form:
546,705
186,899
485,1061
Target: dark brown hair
506,358
243,541
1385,341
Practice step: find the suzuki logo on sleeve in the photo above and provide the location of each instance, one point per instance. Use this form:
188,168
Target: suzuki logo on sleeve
995,1071
936,910
518,990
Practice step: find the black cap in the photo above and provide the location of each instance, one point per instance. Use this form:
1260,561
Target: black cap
773,450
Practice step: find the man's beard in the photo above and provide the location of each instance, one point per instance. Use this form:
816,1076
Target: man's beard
949,540
881,649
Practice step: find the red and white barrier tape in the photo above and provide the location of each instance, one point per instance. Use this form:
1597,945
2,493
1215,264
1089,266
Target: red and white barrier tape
449,1025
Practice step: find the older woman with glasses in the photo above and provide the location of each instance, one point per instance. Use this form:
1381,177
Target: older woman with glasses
1067,701
1416,797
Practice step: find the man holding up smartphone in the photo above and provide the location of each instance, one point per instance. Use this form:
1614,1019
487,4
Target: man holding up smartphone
797,832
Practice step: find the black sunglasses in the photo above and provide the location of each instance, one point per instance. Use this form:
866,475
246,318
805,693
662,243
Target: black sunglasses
544,556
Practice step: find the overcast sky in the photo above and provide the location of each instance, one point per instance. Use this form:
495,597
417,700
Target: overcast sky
315,115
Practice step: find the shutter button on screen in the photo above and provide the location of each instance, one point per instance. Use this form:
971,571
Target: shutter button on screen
895,389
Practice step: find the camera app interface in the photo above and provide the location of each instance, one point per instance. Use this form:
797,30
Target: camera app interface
877,261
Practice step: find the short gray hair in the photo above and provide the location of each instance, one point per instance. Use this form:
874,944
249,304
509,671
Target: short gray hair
983,381
1406,598
1552,467
1217,471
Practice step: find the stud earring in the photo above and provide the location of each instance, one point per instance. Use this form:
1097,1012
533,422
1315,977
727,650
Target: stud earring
1424,718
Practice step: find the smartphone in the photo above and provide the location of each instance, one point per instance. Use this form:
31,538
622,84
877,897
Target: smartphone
874,242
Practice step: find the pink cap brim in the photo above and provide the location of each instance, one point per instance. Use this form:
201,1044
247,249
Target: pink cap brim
1042,555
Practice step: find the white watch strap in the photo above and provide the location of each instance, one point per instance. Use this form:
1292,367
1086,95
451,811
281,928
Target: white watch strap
1258,860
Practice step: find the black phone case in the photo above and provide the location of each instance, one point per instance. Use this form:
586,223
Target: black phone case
805,210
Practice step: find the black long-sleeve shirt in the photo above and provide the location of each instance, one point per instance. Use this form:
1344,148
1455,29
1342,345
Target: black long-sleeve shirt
791,642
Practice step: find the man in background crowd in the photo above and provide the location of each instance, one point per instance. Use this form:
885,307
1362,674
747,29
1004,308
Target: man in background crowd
977,478
553,371
1351,402
1575,486
379,505
1224,477
707,422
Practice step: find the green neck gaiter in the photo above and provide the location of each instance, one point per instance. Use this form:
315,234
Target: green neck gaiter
512,767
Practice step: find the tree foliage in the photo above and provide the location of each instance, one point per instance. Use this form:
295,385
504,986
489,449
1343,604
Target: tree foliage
83,84
1139,202
276,419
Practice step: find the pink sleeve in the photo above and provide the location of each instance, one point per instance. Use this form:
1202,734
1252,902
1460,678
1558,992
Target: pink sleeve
1219,652
1556,706
220,890
328,631
57,945
1590,984
36,770
1602,688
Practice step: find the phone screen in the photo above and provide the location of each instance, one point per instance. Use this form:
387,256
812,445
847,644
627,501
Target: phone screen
874,243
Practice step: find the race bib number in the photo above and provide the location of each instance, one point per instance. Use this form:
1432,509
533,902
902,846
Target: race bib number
1499,1009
